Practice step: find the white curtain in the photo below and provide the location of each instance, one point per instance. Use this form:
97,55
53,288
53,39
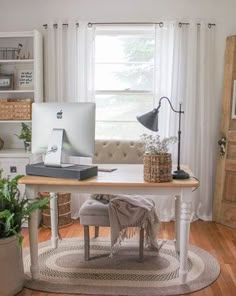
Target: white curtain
69,72
185,73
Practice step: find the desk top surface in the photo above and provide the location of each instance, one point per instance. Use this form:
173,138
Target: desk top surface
125,175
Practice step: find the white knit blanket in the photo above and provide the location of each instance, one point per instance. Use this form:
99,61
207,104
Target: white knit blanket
127,212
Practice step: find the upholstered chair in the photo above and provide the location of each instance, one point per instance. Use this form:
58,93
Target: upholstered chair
94,212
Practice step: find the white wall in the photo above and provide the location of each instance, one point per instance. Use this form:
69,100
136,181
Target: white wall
21,15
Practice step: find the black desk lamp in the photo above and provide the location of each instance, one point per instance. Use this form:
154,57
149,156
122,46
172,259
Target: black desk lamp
150,121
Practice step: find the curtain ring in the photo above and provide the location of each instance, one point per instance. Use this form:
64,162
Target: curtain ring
209,26
90,25
180,24
161,24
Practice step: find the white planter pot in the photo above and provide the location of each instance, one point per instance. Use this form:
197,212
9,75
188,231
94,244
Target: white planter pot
11,267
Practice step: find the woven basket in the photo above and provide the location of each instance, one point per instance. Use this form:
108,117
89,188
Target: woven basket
157,168
64,210
15,109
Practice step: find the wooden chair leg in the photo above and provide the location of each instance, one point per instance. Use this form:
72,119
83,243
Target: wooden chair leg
86,243
96,231
141,244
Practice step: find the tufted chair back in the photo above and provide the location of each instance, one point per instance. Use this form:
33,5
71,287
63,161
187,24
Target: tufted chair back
118,151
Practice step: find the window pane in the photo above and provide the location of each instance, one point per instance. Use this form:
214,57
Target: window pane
119,130
124,76
122,107
123,49
124,62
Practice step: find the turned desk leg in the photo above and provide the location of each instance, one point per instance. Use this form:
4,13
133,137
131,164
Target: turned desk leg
177,223
185,214
54,219
33,235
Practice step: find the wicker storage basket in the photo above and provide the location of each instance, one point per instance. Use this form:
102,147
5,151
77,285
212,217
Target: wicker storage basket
64,211
157,168
15,109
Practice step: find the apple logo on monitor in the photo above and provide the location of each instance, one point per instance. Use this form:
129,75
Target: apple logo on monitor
59,114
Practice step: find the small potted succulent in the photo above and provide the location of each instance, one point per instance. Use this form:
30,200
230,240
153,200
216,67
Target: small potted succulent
25,135
157,161
14,210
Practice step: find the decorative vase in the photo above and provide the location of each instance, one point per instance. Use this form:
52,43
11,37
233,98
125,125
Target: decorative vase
11,267
157,167
27,146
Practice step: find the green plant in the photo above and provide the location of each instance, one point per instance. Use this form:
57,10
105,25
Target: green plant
154,145
25,133
14,210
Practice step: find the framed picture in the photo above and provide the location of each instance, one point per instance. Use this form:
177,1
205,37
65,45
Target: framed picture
25,79
6,81
233,116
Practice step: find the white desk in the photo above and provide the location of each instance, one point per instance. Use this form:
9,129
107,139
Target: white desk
127,179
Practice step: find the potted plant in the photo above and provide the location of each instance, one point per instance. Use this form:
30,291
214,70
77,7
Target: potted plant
14,210
157,161
25,135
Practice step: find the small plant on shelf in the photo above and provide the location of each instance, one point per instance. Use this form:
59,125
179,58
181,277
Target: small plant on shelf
25,135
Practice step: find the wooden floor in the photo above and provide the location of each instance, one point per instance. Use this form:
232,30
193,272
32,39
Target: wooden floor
217,239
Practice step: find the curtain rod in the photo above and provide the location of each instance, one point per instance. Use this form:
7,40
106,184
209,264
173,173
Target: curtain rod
55,25
161,24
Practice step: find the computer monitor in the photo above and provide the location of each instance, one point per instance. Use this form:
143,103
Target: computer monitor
67,126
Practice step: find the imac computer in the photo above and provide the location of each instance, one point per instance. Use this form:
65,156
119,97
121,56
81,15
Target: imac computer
63,127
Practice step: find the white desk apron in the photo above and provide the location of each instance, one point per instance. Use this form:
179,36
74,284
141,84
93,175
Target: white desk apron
127,179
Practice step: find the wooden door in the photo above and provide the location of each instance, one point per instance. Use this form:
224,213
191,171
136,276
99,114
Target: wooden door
225,189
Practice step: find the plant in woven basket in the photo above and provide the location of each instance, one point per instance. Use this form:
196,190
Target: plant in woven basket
157,161
25,135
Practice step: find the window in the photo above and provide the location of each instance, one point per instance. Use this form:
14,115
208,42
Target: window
124,67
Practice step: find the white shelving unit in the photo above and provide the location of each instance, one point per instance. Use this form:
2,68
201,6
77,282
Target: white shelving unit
13,158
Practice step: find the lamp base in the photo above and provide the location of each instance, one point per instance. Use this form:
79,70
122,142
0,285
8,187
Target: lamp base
180,174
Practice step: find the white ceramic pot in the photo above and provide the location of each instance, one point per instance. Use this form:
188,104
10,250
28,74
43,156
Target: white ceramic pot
27,146
11,267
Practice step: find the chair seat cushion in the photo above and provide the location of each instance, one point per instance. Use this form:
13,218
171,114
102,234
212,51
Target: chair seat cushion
94,212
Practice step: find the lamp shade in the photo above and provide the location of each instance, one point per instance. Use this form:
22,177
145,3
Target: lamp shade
150,120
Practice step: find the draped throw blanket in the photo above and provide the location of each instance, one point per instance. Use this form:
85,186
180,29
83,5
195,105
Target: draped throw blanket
127,212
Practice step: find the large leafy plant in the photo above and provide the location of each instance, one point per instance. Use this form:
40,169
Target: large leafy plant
15,210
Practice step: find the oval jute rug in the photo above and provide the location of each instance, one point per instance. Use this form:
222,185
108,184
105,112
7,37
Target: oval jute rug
64,270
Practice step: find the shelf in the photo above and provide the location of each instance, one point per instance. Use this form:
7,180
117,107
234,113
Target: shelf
14,153
16,91
14,121
26,61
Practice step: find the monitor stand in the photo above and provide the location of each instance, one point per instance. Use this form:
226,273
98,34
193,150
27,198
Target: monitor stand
53,167
53,155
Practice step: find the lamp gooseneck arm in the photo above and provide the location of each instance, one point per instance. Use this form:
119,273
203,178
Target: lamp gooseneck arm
171,106
179,129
